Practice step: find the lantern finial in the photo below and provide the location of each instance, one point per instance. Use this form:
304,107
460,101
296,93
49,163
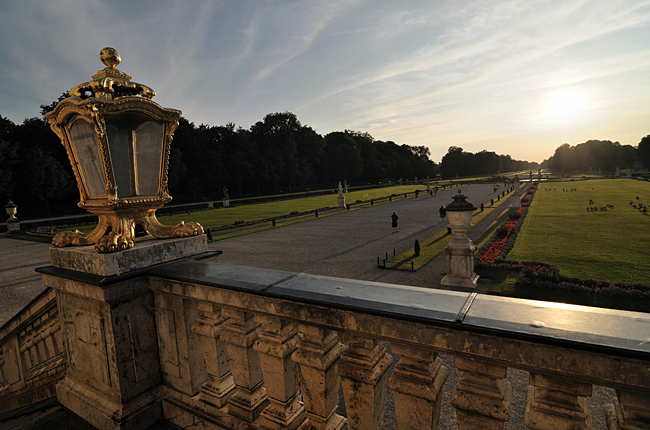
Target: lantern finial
110,83
110,57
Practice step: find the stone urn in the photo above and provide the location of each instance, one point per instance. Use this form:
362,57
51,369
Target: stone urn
460,251
517,185
12,222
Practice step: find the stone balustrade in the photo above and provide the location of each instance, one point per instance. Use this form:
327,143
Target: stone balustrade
292,340
32,357
211,345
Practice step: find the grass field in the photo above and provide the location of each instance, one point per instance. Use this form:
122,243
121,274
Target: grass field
227,216
610,245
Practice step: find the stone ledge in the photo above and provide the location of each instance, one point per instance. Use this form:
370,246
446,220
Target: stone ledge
147,252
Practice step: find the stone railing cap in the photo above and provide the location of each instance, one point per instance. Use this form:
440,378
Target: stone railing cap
584,327
591,326
374,297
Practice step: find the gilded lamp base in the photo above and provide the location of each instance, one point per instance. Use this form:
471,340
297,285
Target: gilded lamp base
115,230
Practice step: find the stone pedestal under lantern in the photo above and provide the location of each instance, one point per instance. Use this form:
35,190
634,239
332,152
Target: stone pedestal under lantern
460,251
106,308
118,141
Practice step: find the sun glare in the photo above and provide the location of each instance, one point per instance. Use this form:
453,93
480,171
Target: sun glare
565,106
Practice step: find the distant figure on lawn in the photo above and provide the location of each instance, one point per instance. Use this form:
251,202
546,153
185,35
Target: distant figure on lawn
395,220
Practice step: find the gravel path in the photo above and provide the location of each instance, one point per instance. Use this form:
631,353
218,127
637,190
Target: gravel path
347,245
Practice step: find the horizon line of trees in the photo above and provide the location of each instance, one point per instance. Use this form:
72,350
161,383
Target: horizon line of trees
277,154
280,154
603,155
457,162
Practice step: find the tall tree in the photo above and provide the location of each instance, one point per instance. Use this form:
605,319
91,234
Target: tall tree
277,139
593,154
342,159
643,151
47,178
8,157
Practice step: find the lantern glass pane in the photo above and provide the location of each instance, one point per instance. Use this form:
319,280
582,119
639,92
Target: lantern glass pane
148,149
119,143
84,144
135,143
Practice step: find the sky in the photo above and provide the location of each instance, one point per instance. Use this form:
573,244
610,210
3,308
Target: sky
514,77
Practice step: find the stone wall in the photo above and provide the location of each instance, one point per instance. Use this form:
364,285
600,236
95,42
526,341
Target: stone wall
32,357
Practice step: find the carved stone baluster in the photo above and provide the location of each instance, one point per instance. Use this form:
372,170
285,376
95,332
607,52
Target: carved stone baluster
181,361
317,355
275,344
557,402
240,334
483,396
417,384
630,411
220,385
363,374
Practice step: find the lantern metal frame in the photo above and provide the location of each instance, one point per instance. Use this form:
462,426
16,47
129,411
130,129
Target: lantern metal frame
115,96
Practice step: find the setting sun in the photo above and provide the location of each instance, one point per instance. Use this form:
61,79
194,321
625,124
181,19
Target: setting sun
565,106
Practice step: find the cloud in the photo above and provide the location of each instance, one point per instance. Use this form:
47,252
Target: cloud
422,73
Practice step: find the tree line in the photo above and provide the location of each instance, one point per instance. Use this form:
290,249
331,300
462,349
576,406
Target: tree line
279,154
275,155
457,162
603,155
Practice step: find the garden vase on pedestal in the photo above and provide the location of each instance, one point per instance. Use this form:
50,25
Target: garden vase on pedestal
460,251
517,194
13,224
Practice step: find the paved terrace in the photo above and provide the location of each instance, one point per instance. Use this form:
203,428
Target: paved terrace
345,245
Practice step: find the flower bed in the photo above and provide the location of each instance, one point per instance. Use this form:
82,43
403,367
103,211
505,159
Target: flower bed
504,235
543,275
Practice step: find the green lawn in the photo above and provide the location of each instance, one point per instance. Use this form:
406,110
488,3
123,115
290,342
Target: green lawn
611,245
227,216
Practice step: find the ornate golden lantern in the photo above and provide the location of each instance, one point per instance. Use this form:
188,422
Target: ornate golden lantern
118,142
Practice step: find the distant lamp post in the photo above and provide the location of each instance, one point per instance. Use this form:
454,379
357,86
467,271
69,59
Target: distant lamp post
13,224
460,251
118,142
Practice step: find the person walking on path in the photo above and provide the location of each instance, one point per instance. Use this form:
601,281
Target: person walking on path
443,213
395,219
